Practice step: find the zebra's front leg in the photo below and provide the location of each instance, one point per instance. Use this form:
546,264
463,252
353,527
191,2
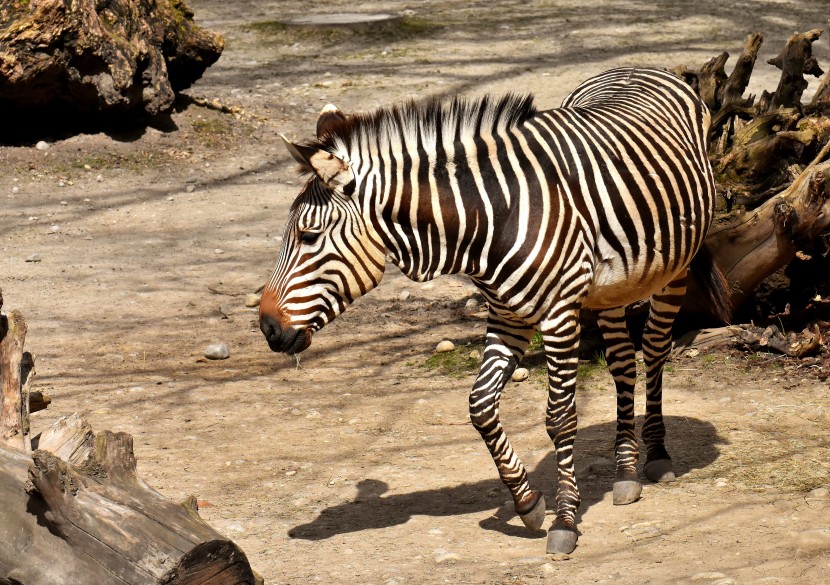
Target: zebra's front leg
657,341
619,353
561,340
505,345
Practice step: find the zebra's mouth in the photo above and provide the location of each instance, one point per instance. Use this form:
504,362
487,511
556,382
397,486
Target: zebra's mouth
290,341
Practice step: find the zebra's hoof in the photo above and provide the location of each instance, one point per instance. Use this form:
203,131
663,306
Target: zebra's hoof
534,519
659,470
561,539
627,492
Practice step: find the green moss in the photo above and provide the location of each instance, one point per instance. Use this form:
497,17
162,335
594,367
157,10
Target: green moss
456,363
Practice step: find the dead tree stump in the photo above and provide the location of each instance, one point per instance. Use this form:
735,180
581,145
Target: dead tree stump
767,156
100,57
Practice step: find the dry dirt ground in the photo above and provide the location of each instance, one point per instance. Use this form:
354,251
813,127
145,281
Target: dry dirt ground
358,465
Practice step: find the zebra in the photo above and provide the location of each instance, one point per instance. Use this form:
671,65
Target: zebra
594,205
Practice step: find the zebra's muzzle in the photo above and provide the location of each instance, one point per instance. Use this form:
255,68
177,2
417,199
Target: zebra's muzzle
288,340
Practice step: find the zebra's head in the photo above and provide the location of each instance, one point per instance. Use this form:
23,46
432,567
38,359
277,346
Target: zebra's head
330,253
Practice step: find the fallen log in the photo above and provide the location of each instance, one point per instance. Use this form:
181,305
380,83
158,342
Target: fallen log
90,519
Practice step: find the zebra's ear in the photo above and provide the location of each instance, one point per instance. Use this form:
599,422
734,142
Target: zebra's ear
329,117
334,171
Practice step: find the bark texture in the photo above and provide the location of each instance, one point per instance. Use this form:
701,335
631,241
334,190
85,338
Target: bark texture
94,56
74,511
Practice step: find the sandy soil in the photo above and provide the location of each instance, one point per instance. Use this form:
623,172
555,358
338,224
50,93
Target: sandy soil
358,465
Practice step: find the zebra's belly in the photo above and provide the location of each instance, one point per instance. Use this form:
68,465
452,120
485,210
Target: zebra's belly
613,286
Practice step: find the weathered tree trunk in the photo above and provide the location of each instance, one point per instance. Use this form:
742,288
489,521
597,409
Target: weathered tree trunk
90,519
14,400
767,161
75,511
91,56
757,243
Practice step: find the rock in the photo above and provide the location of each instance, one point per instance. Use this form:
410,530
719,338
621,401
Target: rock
42,145
475,355
217,351
813,541
64,203
642,531
190,188
252,300
99,177
405,295
54,229
442,555
218,251
34,258
472,306
15,190
821,493
445,346
719,578
520,375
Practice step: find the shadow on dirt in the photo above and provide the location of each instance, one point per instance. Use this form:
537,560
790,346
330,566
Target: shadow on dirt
371,510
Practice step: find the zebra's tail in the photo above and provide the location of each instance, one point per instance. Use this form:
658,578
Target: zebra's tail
714,288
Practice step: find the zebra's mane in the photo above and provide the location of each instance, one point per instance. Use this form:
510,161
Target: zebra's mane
455,118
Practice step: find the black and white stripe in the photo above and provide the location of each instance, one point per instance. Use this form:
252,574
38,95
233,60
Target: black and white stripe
597,204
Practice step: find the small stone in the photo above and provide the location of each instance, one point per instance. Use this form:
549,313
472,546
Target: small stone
475,355
314,414
15,190
443,555
252,300
61,183
445,346
42,145
218,251
190,188
813,541
99,177
405,295
217,351
64,203
708,576
721,482
87,168
520,375
291,473
472,306
170,198
34,258
821,493
642,531
54,229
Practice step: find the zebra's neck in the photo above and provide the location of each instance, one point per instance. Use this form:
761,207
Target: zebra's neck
427,182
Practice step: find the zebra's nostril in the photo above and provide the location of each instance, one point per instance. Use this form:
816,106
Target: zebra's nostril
270,328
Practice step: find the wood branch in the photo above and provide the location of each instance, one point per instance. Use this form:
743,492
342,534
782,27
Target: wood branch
14,411
732,90
757,243
807,343
92,520
795,61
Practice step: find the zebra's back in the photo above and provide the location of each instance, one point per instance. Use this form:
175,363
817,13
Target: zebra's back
629,150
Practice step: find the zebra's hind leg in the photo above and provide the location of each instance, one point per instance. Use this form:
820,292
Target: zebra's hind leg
656,347
619,353
505,345
561,339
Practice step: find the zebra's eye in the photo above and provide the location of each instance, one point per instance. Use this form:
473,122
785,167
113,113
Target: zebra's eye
309,237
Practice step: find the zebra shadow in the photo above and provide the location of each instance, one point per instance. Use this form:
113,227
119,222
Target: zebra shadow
693,444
